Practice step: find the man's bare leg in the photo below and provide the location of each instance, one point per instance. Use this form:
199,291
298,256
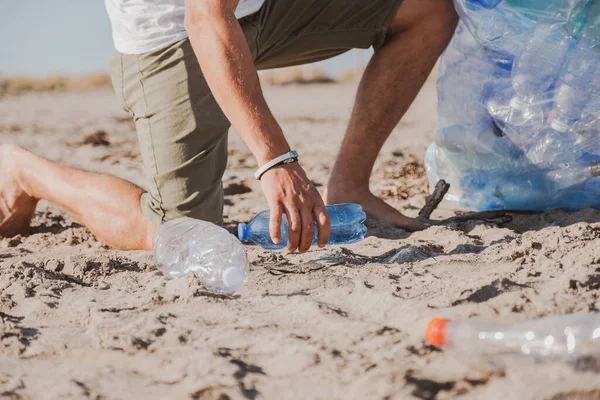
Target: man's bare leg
418,35
108,206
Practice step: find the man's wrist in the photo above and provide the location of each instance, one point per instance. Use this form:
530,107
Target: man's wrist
271,153
284,159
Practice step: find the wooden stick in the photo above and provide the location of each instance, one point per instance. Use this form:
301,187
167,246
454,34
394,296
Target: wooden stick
489,216
433,201
499,217
441,188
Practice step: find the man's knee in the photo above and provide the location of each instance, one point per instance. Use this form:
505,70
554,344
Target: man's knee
436,17
206,204
187,185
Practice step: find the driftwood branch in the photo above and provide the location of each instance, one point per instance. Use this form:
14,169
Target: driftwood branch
433,201
499,217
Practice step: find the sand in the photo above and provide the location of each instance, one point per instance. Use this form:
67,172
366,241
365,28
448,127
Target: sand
81,320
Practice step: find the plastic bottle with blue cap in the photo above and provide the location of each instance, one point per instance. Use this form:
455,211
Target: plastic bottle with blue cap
347,226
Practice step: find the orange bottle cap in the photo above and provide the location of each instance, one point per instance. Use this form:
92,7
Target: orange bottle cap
435,333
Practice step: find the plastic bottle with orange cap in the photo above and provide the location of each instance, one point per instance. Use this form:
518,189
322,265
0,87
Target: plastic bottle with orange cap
564,336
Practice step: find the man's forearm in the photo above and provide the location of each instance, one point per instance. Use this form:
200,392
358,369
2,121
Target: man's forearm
226,62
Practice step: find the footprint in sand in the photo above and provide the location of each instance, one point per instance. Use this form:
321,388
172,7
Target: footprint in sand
98,138
237,188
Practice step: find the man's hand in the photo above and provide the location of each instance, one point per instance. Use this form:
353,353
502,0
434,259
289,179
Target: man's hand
288,191
226,61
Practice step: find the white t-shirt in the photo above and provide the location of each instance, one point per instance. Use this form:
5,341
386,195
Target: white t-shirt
140,26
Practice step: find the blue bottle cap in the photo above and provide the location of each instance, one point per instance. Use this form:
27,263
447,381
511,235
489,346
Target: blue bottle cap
243,232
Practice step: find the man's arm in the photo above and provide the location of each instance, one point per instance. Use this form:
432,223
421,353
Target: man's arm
227,65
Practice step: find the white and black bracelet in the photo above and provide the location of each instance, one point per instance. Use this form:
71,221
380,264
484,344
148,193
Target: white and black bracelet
287,158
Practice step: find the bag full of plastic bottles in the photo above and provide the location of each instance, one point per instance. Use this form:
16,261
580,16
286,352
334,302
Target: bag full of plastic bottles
519,106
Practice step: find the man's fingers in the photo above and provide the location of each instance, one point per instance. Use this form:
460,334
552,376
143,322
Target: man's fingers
308,229
323,223
294,228
275,224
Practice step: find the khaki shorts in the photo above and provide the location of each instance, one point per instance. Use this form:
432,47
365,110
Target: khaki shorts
181,128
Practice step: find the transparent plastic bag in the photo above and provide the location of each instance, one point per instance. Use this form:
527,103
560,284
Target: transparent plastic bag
519,106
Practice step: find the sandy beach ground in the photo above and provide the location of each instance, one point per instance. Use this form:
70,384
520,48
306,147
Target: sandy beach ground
81,320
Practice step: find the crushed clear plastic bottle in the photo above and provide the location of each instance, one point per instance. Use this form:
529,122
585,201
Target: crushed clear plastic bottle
216,257
347,226
555,145
535,69
474,138
574,174
564,336
497,26
579,84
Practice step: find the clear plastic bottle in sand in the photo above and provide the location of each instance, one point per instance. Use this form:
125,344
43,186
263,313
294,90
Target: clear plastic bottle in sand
564,336
214,255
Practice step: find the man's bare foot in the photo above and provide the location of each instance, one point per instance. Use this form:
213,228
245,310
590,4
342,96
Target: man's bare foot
16,206
372,205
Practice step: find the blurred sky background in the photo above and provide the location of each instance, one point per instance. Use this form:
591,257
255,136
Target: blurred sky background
73,37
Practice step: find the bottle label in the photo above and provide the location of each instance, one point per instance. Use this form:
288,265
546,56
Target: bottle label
595,168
